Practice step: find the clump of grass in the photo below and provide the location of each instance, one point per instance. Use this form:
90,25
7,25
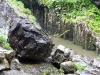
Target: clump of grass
4,43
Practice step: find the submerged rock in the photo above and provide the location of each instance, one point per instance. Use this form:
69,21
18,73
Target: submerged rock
29,40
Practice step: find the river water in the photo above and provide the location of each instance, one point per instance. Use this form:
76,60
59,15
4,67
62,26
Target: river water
76,48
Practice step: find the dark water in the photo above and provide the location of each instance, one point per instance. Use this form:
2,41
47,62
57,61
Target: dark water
76,48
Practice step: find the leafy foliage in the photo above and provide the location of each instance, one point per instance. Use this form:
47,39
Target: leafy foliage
4,43
76,10
3,38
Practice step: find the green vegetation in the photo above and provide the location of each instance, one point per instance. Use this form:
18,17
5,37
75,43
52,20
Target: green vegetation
60,35
68,10
20,10
3,38
4,43
79,67
75,11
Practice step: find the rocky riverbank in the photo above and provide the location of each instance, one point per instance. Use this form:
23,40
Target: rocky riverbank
9,65
61,60
74,64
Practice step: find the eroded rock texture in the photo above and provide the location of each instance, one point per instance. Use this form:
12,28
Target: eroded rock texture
29,40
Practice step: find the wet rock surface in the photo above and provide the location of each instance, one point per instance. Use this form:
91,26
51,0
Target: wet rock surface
12,72
96,63
68,67
8,63
7,54
4,65
98,46
60,55
89,71
28,41
40,69
15,64
83,60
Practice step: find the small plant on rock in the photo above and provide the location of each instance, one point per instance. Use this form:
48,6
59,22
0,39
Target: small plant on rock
80,67
2,38
4,43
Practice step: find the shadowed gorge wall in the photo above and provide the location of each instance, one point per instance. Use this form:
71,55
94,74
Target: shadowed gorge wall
48,18
37,10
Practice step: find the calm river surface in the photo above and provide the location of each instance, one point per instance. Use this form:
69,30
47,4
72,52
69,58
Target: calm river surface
76,48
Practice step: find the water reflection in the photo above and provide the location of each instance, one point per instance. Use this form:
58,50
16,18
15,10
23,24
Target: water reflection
76,48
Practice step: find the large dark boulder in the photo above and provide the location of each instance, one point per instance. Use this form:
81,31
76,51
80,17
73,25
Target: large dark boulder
29,40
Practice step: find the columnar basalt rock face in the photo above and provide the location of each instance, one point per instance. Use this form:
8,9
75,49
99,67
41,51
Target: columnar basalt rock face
83,36
78,32
30,42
